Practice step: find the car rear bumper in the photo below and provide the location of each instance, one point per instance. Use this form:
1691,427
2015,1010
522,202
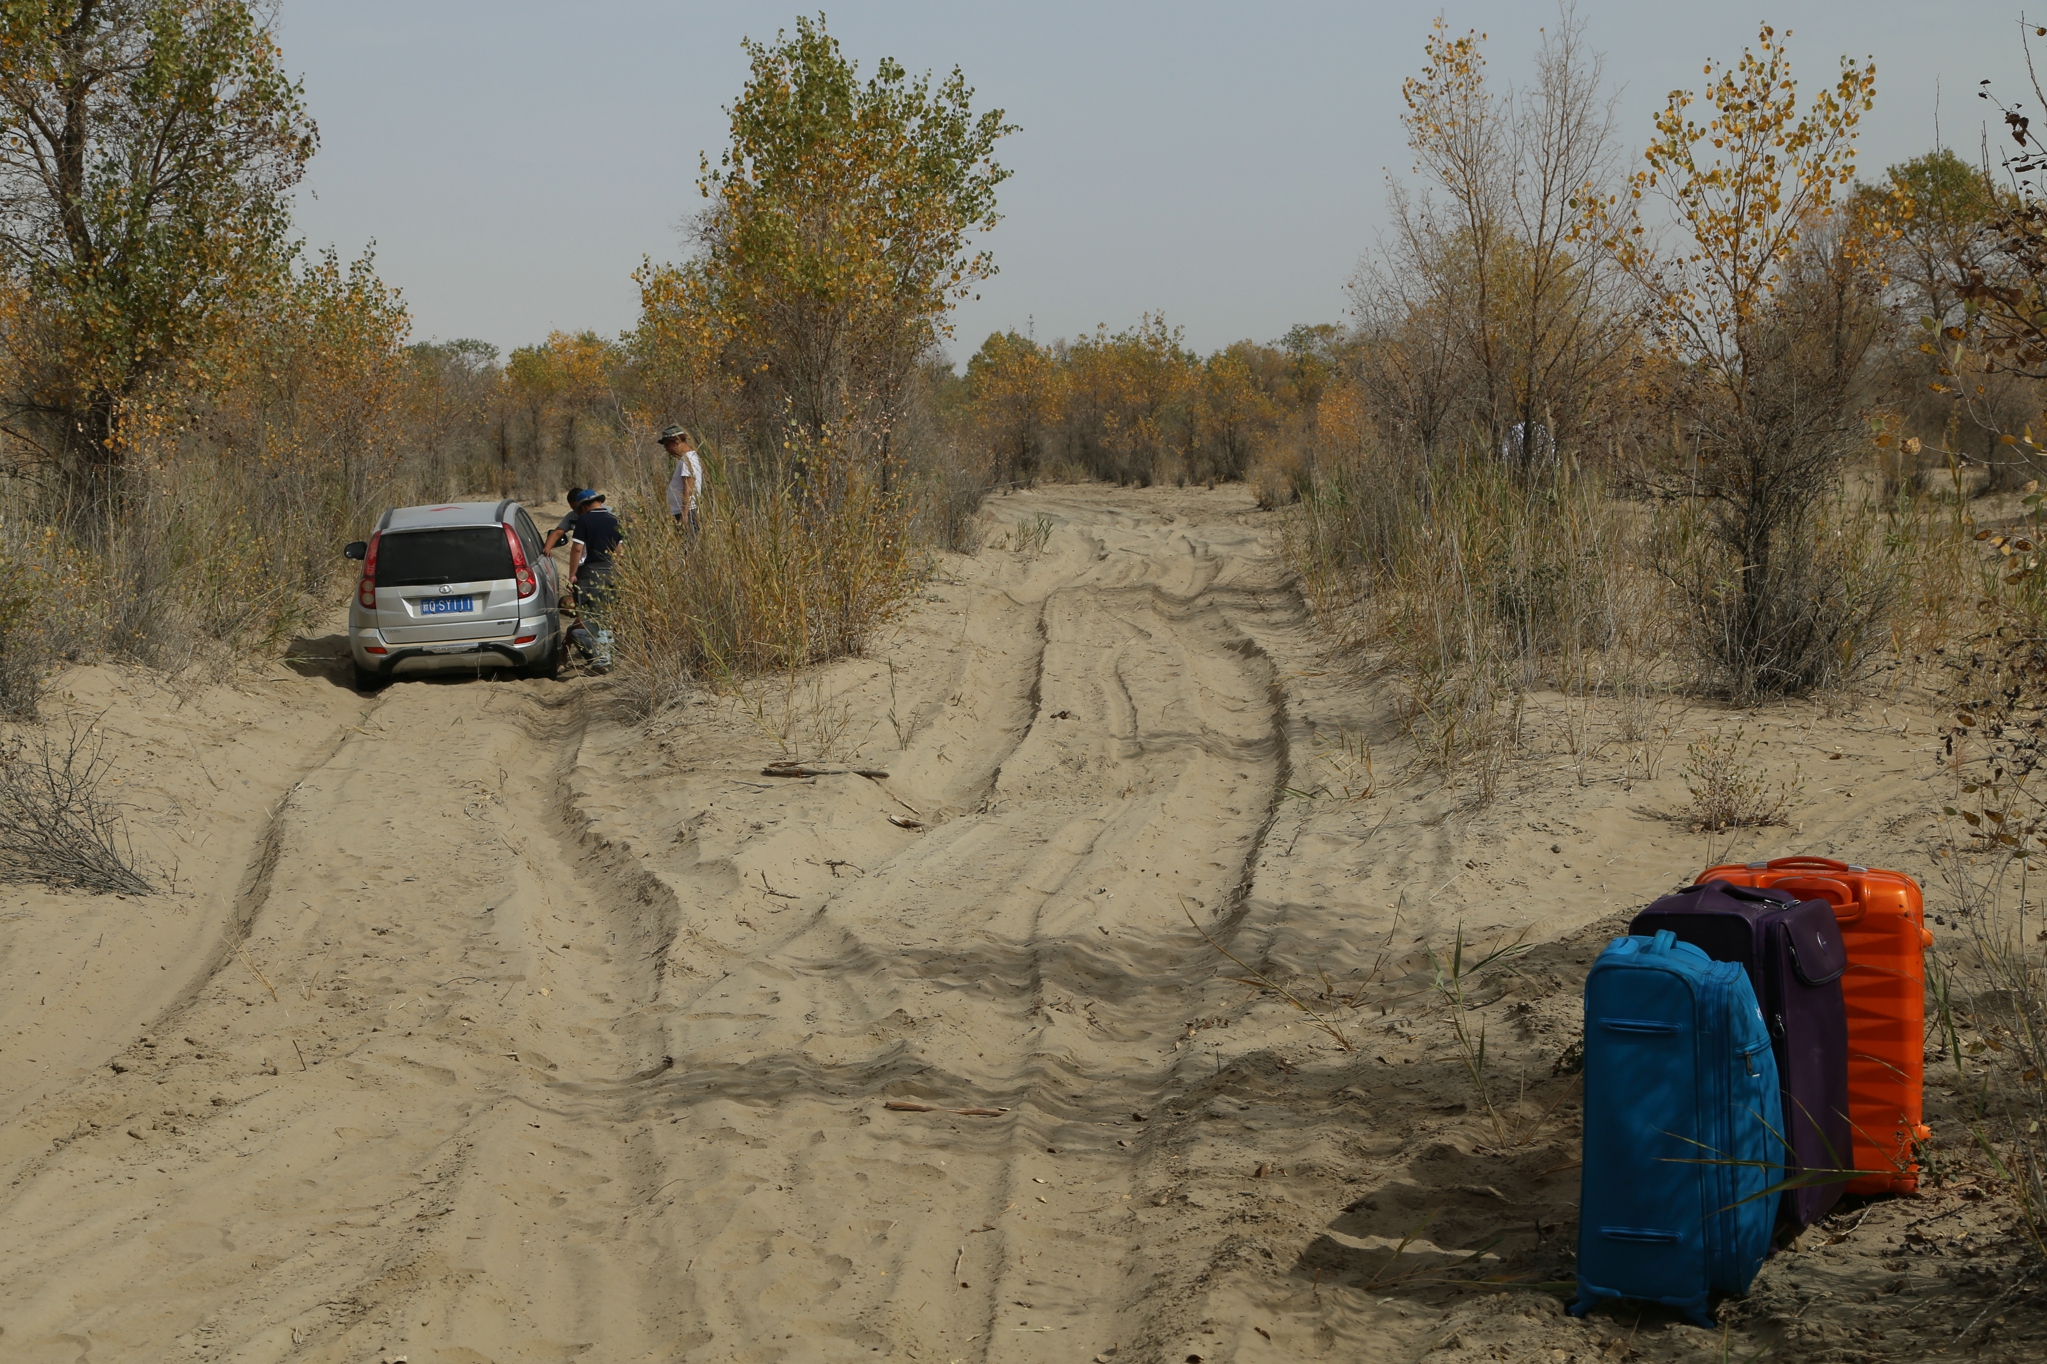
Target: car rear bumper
523,649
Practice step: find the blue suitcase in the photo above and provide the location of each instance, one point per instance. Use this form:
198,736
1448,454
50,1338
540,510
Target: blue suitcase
1682,1118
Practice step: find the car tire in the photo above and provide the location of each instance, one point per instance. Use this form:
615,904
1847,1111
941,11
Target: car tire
549,666
368,679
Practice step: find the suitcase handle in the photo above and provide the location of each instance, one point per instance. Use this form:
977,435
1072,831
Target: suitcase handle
1823,863
1755,894
1847,908
1644,1235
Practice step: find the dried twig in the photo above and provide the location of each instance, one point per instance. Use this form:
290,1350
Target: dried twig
54,826
1260,981
908,1106
259,973
792,769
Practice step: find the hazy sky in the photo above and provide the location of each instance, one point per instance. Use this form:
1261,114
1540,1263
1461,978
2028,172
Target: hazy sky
1224,164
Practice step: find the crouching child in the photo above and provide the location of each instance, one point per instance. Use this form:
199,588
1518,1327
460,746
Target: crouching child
594,542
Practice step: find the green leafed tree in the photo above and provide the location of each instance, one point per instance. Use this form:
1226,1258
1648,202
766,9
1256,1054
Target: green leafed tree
146,151
837,240
1939,208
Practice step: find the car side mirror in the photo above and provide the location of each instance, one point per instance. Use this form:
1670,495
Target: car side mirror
356,549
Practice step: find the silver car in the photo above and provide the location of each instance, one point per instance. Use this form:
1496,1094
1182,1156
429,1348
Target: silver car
454,588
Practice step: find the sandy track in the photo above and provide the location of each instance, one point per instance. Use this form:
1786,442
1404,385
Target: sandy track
1026,953
503,1030
464,1070
277,1168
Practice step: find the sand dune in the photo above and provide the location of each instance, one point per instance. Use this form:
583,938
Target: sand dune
486,1026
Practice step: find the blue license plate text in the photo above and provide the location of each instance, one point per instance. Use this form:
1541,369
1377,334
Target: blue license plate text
445,606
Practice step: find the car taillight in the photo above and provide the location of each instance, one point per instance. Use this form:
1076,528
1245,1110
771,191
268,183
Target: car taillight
521,570
366,590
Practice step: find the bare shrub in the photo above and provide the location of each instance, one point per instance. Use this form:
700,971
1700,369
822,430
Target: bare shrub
54,826
1990,991
949,478
1803,607
32,603
1729,791
1278,480
24,660
1487,313
948,507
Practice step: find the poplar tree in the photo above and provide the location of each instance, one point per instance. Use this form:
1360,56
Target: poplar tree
146,151
837,237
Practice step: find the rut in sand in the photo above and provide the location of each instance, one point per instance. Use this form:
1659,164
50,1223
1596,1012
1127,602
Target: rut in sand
474,1066
495,1028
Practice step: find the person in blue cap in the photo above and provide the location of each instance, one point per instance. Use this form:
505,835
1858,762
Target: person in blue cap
566,527
595,540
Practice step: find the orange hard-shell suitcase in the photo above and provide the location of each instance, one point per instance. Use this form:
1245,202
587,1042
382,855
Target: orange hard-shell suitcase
1883,926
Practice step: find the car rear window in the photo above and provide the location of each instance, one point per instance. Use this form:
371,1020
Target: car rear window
459,554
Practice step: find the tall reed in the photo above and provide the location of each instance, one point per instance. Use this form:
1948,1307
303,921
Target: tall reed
1475,584
794,565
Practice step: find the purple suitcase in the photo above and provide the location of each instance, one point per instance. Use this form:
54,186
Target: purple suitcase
1794,956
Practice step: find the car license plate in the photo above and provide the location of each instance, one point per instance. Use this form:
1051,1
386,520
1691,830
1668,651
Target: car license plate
445,606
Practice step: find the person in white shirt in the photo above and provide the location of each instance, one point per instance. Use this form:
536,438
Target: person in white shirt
687,482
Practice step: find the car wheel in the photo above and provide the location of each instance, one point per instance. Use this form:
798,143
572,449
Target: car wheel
549,665
368,679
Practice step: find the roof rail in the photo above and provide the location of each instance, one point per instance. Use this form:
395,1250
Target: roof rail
499,514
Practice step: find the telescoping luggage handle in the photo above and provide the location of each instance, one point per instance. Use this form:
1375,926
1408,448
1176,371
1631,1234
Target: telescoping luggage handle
1823,863
1758,894
1662,942
1848,909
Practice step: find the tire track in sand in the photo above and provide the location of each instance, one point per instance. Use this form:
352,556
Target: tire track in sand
389,1146
574,1088
1028,953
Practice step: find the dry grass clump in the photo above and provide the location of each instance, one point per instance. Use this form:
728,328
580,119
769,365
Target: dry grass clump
46,594
1729,791
801,564
1803,610
54,826
1478,582
1030,537
1942,573
1477,585
1990,1019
